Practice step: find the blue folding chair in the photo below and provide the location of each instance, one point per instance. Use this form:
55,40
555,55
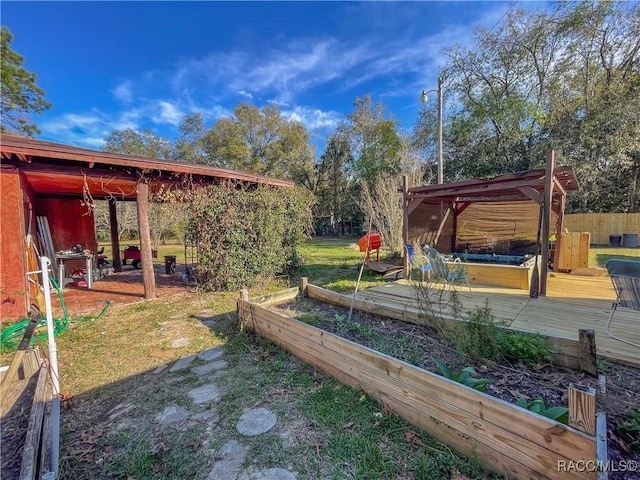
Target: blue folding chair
450,276
419,261
625,276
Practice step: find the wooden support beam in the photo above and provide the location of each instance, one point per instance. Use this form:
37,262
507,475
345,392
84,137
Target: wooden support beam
582,408
116,261
559,229
146,260
413,204
304,281
548,193
405,225
532,193
587,341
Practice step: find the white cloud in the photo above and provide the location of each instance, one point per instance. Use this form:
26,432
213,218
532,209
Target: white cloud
167,112
123,92
314,119
245,94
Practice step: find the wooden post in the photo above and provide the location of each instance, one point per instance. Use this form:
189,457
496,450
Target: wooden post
116,261
148,276
587,342
582,408
405,225
244,297
304,281
559,229
548,194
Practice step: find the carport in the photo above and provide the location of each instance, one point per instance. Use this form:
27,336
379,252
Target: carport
59,182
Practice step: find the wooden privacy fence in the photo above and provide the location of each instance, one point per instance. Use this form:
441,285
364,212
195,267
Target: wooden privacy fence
504,437
601,225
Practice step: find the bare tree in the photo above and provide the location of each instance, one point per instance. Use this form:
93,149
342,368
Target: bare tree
382,202
127,218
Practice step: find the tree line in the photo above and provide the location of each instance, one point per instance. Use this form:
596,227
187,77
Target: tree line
566,79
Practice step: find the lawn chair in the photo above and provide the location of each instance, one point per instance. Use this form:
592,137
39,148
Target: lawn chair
625,276
450,276
418,260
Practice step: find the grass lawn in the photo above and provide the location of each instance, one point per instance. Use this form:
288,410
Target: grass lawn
113,400
599,254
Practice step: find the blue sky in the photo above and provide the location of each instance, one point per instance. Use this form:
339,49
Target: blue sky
116,65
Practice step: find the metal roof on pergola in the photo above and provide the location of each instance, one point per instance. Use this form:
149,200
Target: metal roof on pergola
546,186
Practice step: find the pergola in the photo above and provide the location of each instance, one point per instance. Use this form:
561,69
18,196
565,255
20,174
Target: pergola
547,187
44,178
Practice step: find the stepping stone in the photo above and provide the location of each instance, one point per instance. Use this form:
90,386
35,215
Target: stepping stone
180,342
256,422
173,414
209,367
211,354
183,363
253,473
205,393
228,467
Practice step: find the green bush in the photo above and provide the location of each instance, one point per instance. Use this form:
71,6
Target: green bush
246,235
478,338
524,347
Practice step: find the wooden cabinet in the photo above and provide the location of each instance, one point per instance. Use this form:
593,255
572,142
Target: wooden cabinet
574,252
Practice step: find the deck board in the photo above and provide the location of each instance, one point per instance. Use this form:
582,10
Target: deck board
572,303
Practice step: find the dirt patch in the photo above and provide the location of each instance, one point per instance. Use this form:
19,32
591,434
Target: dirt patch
419,345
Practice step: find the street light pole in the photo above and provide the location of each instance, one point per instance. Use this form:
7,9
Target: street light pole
440,156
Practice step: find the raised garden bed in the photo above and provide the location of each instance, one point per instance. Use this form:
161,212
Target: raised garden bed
505,438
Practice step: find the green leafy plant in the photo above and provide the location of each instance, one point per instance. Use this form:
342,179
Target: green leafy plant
559,414
479,337
631,428
463,376
524,347
602,366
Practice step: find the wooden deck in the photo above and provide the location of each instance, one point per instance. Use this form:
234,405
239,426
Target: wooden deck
572,303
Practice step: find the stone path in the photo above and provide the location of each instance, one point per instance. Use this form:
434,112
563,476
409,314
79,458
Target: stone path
231,456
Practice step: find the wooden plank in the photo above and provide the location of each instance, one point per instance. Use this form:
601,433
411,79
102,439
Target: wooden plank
277,297
34,429
585,242
45,450
435,398
582,408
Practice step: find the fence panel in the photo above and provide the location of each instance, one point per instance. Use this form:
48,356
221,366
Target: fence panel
601,225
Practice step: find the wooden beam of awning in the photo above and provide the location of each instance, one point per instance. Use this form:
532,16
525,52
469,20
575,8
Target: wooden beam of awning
480,190
532,193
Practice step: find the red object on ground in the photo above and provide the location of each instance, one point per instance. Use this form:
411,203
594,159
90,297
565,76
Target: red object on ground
133,253
369,242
